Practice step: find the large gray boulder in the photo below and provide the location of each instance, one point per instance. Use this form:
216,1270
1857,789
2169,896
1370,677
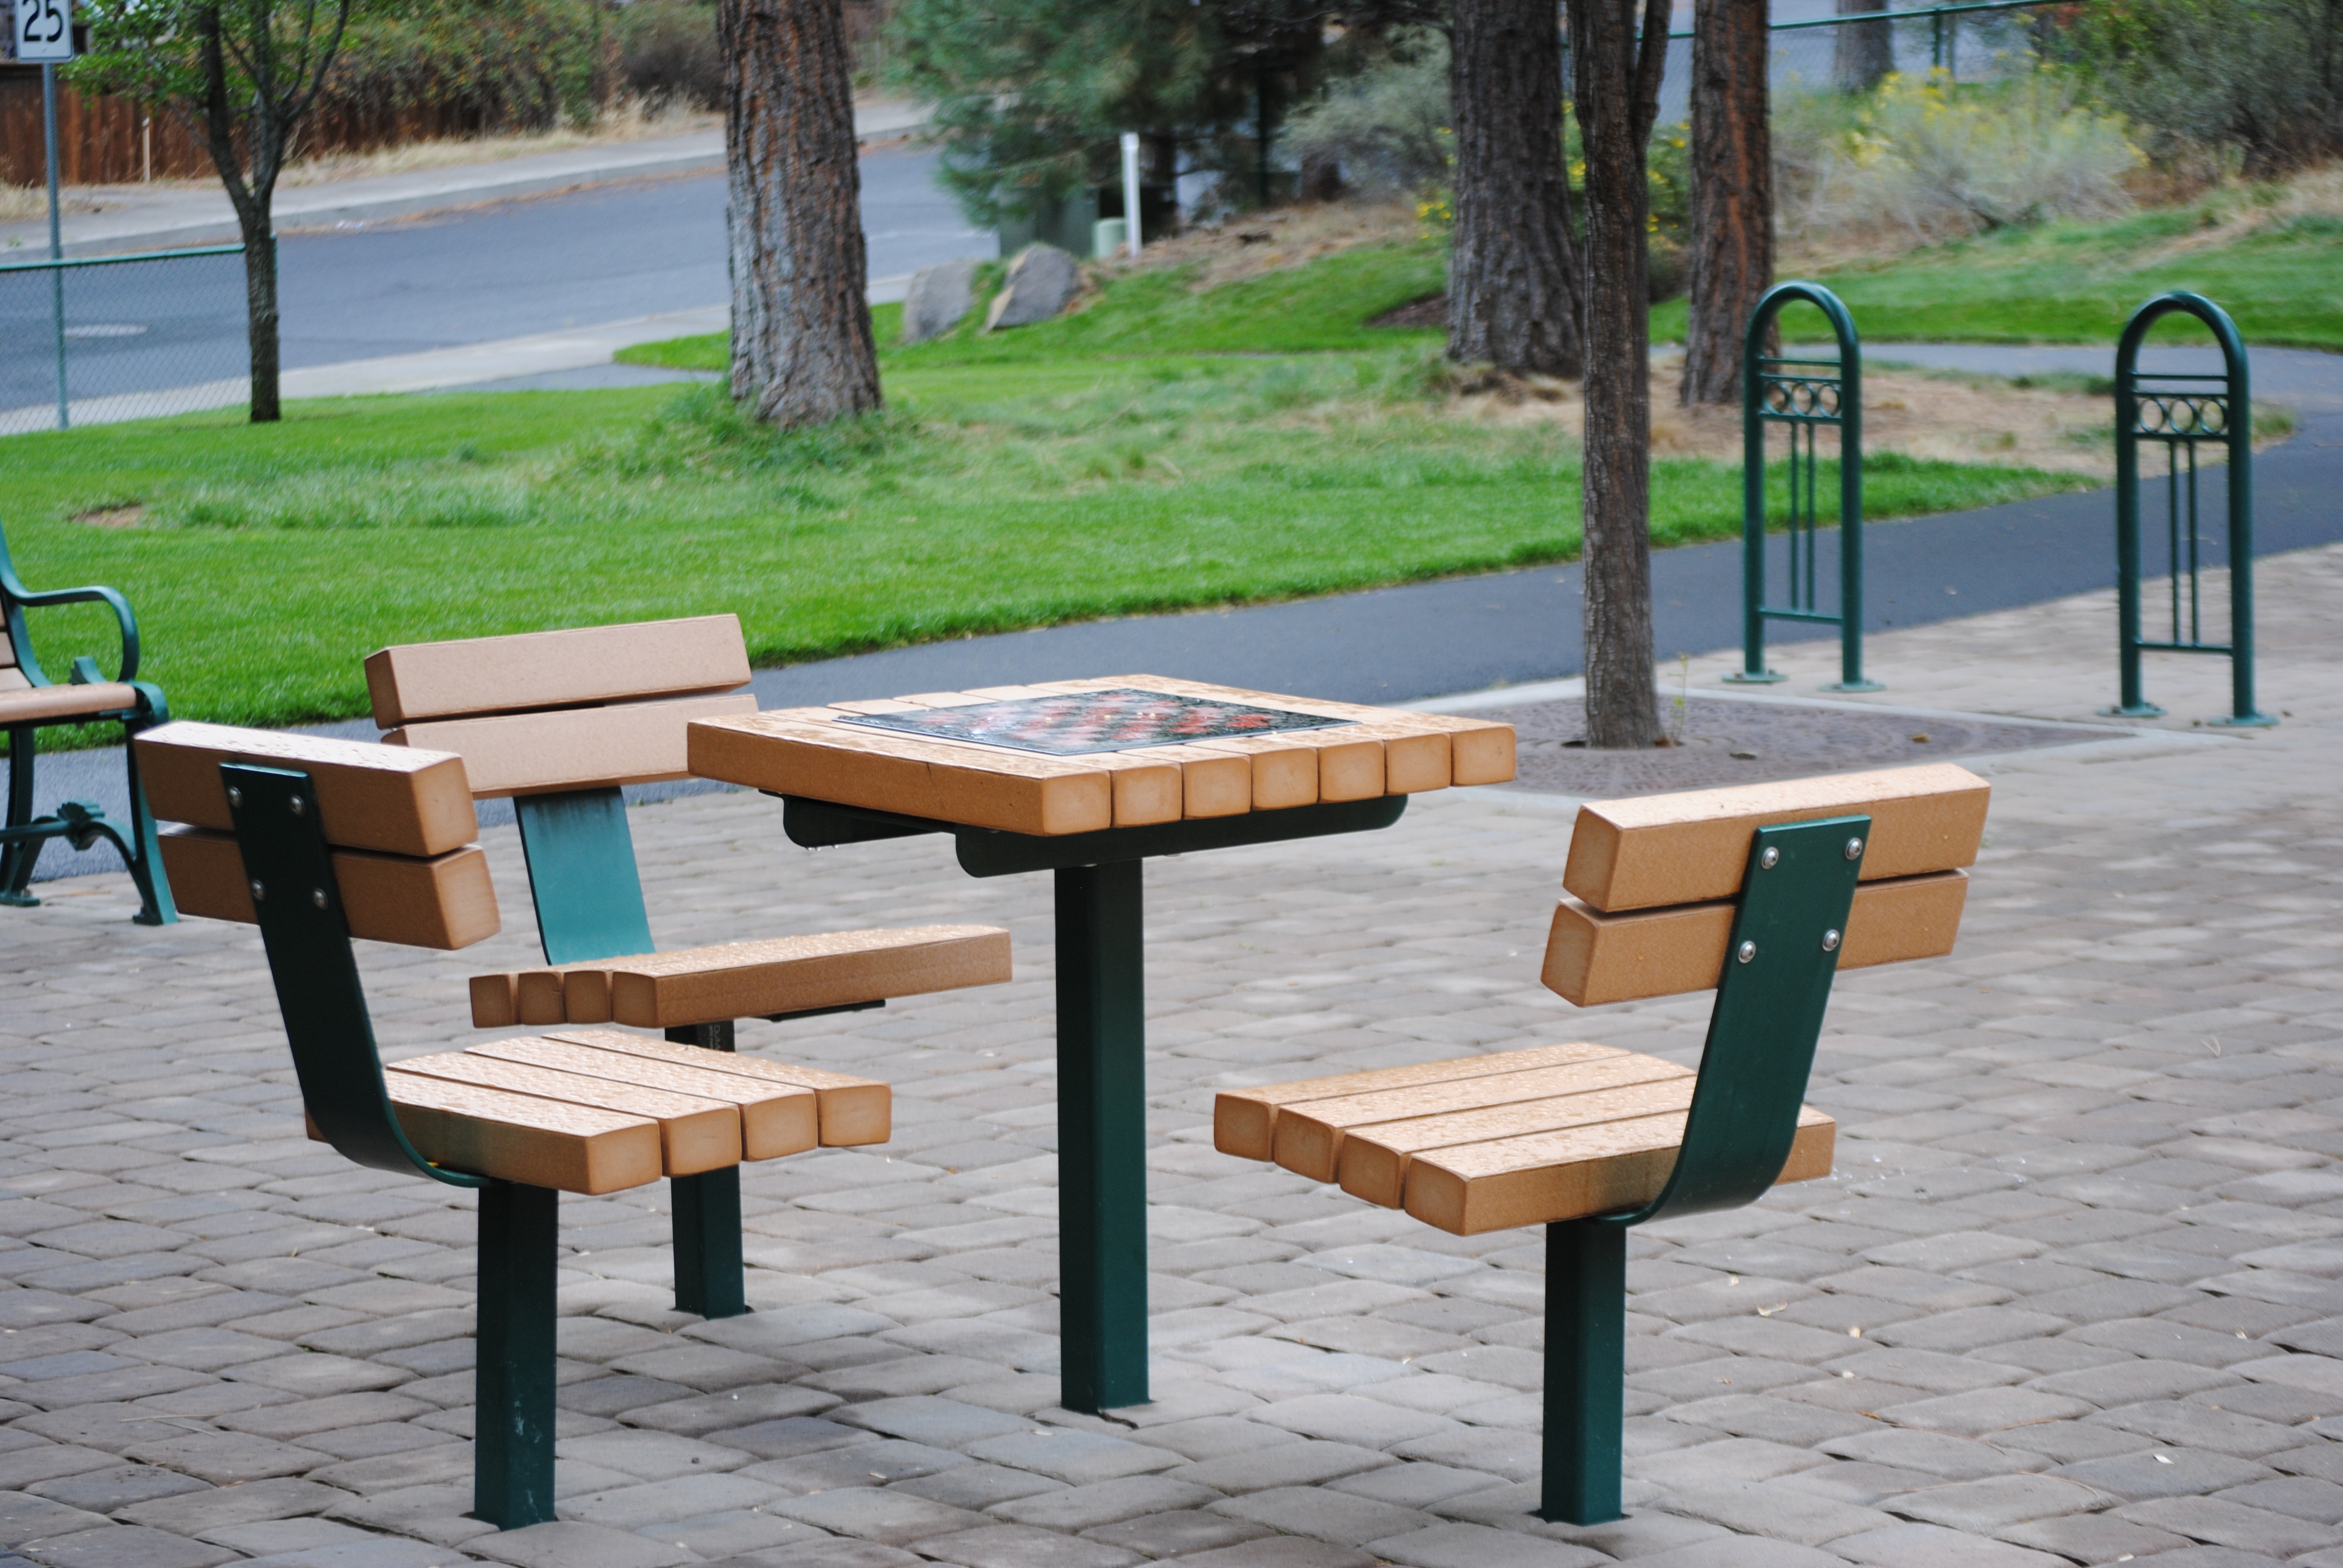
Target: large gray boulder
939,296
1042,281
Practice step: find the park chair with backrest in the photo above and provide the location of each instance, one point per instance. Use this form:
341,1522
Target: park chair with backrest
30,702
559,720
1761,891
320,840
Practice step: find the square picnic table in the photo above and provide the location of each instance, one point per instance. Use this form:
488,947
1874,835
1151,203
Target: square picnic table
1088,779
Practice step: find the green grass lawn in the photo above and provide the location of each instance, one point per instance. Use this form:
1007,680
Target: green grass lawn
2079,282
1160,450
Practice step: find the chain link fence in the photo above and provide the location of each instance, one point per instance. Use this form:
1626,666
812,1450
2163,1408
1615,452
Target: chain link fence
90,340
1972,42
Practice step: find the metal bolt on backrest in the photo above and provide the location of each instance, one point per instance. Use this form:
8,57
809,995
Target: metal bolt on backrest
258,892
1769,859
318,897
1855,848
236,797
1748,950
1830,941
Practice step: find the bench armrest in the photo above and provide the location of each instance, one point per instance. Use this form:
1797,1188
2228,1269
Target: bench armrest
124,618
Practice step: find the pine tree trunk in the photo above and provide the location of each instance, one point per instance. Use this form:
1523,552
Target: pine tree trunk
1512,267
1863,53
1732,193
802,348
1617,96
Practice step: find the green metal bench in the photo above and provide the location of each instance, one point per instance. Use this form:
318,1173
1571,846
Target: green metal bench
30,702
559,721
317,840
1762,892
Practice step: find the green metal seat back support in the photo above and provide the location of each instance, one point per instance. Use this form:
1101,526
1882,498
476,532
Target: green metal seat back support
582,875
306,935
1762,1034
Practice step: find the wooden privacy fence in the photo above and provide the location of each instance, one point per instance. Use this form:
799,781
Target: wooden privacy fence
107,140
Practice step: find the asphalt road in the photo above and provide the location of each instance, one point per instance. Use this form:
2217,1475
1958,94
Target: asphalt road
508,270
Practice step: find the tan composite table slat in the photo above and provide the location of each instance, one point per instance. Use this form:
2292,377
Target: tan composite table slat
818,754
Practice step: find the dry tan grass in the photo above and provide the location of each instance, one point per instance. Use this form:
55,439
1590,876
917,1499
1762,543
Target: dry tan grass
2238,211
1275,241
1957,420
626,121
20,202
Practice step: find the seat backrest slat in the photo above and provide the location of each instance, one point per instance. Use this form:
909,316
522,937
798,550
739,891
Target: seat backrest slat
1687,847
568,669
369,796
574,748
396,824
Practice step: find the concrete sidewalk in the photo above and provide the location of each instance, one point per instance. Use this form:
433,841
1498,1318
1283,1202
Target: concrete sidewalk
142,218
2070,1298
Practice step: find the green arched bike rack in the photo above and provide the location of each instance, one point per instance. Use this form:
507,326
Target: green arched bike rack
1805,396
2182,413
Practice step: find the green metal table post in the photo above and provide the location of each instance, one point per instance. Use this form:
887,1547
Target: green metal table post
2182,412
1585,1371
1102,1044
1804,396
1102,1136
512,1479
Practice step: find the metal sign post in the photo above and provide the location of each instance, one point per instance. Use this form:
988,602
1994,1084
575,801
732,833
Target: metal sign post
44,32
1131,193
2182,413
1804,395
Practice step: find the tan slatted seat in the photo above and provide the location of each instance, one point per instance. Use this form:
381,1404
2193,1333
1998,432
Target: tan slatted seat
591,1112
1556,1133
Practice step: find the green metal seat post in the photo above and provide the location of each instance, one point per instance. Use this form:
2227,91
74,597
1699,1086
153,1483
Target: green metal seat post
709,1276
589,893
294,892
1779,964
17,855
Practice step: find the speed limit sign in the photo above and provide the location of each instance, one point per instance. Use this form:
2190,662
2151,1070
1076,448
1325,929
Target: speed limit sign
44,30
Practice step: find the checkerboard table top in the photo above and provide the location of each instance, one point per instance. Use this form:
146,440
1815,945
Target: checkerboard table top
1081,756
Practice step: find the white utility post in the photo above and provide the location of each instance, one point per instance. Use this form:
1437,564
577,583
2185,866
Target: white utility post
44,34
1130,191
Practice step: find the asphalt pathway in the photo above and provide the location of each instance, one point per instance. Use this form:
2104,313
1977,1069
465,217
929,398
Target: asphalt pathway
1468,634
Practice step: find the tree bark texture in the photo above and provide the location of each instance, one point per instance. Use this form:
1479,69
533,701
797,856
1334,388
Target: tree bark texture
1617,98
1862,53
802,348
1513,269
1732,193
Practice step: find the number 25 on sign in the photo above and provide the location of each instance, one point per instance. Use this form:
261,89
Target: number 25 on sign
44,30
